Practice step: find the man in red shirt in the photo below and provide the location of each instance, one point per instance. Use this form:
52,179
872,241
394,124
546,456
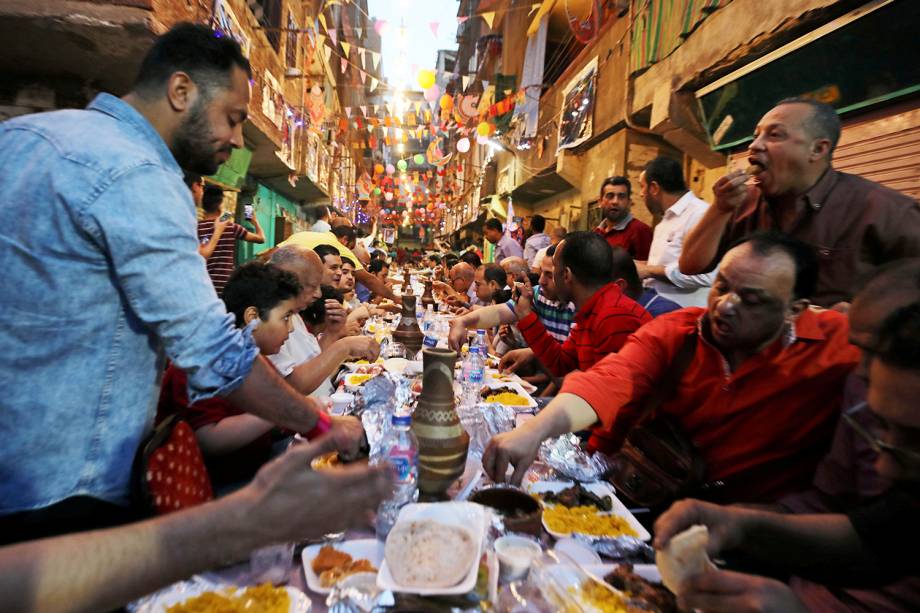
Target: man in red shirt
760,397
605,317
619,227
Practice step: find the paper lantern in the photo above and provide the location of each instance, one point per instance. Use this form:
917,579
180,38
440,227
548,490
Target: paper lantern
390,169
447,103
378,169
426,78
388,196
376,191
419,159
463,145
432,94
483,129
402,165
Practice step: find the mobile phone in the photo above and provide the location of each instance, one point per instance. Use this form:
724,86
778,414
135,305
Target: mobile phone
226,217
247,211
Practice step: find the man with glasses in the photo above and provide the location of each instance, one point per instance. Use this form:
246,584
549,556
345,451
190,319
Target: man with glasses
867,547
618,226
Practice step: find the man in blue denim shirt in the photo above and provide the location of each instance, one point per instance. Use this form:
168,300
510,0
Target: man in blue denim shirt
98,246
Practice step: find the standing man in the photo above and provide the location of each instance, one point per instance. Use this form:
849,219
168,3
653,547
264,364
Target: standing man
555,238
855,225
505,246
217,236
618,226
109,283
322,220
537,241
666,196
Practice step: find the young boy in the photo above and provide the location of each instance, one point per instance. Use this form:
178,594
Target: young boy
234,443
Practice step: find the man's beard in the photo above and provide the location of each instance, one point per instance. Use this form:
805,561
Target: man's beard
192,146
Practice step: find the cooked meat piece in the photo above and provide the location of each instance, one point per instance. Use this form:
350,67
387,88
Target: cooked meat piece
656,597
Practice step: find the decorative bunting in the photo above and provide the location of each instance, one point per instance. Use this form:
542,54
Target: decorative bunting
334,37
434,27
364,107
466,81
363,55
363,76
344,65
461,19
534,7
489,18
359,33
328,52
348,111
322,20
346,47
389,108
418,106
376,57
320,39
373,84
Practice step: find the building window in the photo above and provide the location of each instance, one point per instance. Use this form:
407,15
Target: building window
291,47
271,20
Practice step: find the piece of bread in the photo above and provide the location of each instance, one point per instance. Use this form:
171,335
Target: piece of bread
429,554
684,557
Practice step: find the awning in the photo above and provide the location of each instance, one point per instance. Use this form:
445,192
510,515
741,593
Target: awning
273,172
544,184
545,8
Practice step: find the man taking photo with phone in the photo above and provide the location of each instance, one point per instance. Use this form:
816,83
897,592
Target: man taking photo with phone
217,236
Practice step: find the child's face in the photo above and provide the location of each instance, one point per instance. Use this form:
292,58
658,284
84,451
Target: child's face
271,333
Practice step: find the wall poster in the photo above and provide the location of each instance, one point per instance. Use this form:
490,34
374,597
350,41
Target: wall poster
577,120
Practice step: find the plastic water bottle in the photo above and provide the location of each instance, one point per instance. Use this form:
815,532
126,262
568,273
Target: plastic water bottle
399,450
475,374
430,332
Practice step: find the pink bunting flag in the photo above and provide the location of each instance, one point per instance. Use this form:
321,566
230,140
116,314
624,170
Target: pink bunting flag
434,27
363,76
461,19
344,65
334,37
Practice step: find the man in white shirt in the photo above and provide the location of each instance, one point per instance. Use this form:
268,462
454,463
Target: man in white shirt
305,365
322,220
555,238
537,241
666,195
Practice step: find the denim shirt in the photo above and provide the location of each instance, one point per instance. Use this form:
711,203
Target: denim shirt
102,277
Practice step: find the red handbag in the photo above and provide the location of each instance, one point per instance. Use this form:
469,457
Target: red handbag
169,473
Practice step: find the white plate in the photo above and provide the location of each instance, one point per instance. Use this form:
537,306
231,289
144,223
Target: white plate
180,592
493,374
396,365
353,366
649,572
518,389
362,549
354,381
600,488
467,515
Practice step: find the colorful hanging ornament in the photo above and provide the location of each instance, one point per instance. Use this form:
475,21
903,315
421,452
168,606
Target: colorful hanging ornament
463,145
483,129
426,78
